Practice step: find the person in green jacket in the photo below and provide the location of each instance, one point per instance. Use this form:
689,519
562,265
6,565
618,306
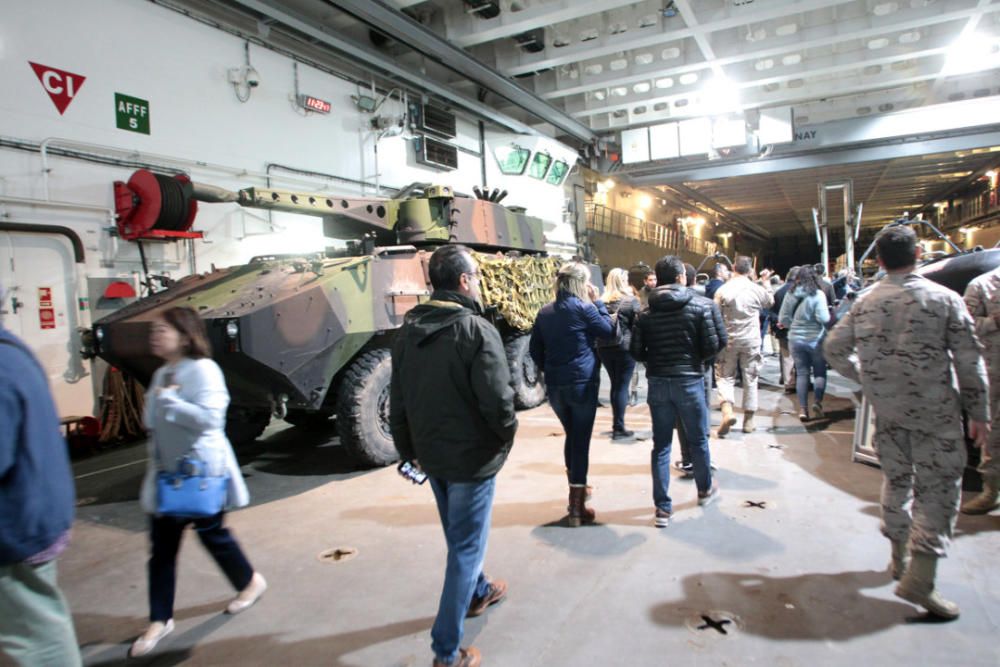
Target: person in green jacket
451,412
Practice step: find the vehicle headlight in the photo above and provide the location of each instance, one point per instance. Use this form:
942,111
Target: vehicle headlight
99,334
232,329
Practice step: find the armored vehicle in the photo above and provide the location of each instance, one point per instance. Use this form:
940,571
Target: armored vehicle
307,338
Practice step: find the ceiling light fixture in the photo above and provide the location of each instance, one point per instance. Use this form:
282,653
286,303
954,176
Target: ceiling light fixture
973,53
720,95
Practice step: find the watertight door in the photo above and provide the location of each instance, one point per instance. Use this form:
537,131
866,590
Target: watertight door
41,307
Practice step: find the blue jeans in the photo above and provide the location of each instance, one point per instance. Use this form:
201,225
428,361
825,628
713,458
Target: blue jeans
620,365
670,399
682,438
808,356
465,509
576,407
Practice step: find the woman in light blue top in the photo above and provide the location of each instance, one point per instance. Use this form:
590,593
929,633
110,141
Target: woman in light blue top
185,413
805,313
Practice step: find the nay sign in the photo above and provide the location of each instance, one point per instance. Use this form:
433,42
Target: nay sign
62,86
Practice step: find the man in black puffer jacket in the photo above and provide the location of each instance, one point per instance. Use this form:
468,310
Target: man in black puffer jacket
675,337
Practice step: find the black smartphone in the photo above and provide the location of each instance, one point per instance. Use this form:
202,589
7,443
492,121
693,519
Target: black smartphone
411,472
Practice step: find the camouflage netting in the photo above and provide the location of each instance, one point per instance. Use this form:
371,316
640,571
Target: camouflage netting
518,287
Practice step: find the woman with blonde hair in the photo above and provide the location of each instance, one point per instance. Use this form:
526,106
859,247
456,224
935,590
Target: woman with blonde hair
623,305
562,345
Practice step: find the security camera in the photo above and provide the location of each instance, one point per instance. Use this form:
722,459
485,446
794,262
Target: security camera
252,77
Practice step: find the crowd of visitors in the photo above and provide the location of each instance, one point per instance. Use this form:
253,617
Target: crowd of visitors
455,426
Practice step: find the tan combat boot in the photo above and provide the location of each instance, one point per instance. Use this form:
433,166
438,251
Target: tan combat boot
917,586
748,426
728,420
987,501
900,559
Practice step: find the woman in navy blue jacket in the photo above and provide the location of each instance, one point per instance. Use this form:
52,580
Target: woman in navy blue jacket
562,345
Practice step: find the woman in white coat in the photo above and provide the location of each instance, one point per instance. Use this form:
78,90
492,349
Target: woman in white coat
186,415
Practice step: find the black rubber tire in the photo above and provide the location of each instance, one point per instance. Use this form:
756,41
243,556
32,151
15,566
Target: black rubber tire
244,425
363,410
529,386
309,419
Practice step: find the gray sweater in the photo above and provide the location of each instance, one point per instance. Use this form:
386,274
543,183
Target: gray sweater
805,322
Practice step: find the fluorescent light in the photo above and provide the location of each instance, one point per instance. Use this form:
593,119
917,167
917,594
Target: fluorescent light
972,53
720,96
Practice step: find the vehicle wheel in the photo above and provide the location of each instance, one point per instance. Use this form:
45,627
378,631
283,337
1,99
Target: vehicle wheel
244,425
309,419
363,409
529,387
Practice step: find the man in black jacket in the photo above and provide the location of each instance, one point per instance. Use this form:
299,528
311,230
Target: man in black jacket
675,338
452,414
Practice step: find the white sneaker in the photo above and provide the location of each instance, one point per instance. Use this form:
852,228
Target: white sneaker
148,641
248,595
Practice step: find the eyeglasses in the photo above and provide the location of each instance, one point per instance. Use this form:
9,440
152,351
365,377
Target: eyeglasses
474,274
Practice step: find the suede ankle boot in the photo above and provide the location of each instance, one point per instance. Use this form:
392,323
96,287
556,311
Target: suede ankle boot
900,559
728,420
579,513
987,501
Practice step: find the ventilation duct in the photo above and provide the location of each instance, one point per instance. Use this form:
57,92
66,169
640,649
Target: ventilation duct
437,154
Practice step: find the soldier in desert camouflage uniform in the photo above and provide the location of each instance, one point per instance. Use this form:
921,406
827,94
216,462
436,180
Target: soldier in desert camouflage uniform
911,337
982,297
741,301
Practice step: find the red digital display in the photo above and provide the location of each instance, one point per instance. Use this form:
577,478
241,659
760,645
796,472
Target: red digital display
315,104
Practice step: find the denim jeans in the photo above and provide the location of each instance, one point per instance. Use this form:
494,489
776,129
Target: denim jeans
670,399
465,509
682,438
576,407
165,534
620,365
808,355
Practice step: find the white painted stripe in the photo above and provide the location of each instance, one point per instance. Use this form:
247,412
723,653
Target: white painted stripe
98,472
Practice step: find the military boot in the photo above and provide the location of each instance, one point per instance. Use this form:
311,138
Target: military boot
987,501
917,586
748,426
728,420
579,513
900,559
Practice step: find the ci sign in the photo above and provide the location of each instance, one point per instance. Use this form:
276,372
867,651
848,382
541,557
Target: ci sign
62,86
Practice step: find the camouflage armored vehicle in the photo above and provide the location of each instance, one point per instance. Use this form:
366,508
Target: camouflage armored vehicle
307,338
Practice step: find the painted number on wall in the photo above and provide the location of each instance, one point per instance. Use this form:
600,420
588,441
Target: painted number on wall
62,86
131,113
46,313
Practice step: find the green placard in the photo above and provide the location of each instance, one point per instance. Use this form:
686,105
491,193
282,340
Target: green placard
132,114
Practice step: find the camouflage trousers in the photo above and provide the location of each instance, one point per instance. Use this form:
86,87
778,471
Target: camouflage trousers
989,464
921,485
738,355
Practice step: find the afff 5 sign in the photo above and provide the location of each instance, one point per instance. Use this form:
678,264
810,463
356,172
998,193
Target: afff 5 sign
62,86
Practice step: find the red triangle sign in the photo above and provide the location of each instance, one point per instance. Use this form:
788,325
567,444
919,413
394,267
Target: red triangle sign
62,86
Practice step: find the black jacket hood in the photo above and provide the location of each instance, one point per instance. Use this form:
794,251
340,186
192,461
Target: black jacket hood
670,298
443,310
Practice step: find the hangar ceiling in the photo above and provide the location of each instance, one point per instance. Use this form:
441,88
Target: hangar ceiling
586,69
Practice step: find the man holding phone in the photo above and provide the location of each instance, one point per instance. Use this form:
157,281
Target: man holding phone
452,416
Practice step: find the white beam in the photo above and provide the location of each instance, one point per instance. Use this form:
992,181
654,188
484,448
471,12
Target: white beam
627,41
538,15
913,24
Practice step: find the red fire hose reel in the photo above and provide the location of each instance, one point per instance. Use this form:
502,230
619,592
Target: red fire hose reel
154,206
